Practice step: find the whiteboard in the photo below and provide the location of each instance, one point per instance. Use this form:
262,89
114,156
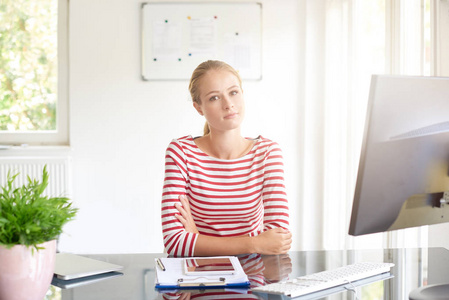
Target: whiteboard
177,37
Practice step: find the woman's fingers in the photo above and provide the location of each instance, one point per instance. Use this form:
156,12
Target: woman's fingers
182,210
181,219
185,203
185,216
274,241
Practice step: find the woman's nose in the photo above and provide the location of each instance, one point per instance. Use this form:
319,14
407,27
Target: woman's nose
227,103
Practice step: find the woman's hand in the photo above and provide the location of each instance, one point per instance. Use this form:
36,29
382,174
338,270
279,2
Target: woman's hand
186,216
274,241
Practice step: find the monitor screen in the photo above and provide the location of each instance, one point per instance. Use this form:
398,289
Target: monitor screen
404,163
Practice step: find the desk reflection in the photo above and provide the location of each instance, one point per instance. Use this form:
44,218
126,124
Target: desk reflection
413,268
260,269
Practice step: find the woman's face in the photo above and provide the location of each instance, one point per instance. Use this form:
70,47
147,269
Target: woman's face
222,101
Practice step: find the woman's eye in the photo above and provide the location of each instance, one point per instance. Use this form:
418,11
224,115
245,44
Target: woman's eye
214,98
233,93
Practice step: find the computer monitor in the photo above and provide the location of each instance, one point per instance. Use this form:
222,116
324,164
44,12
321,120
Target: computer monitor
403,176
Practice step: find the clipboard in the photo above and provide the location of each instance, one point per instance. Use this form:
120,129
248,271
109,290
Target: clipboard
174,276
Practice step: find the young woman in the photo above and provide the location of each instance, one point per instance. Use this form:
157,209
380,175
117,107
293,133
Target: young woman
223,194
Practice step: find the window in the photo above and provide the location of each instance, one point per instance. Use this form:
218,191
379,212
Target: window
409,43
361,38
33,72
411,40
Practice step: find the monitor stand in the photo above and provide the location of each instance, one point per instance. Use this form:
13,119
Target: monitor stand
431,292
423,209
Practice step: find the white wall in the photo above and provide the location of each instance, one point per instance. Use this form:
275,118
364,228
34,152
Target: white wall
121,125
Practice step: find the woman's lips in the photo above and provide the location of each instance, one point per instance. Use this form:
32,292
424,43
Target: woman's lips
231,116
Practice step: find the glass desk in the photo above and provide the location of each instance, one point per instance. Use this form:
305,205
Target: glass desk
413,268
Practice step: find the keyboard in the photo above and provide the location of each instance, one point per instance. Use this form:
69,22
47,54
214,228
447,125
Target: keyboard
312,283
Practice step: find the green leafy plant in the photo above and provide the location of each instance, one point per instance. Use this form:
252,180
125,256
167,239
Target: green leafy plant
29,218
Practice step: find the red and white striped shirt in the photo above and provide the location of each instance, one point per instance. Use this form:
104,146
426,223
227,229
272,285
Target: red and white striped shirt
242,196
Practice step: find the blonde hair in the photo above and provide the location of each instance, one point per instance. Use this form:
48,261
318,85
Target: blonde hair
199,72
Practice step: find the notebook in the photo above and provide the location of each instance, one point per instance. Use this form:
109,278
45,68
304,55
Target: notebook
70,266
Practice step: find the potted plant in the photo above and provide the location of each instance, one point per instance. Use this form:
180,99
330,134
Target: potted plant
30,223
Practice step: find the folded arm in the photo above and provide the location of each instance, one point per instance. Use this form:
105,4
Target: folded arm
272,241
177,241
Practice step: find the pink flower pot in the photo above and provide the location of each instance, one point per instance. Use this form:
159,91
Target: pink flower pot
26,274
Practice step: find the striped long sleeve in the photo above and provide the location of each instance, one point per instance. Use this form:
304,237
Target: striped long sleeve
243,196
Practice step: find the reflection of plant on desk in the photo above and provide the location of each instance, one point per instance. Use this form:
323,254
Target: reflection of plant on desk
30,223
53,293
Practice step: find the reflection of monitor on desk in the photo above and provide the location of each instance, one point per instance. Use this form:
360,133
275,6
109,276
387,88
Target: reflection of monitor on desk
403,178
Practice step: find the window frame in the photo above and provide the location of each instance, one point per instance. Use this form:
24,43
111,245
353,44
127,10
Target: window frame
60,136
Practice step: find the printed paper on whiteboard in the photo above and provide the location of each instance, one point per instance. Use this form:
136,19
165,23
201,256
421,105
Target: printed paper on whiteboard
203,37
167,40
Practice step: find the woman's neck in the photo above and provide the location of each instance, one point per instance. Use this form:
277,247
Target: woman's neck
226,145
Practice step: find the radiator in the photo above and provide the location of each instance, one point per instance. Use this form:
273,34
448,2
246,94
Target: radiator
57,168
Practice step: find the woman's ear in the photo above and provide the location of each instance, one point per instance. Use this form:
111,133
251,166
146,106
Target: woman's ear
198,108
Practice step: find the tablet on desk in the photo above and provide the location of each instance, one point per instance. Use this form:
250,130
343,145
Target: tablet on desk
208,266
70,266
